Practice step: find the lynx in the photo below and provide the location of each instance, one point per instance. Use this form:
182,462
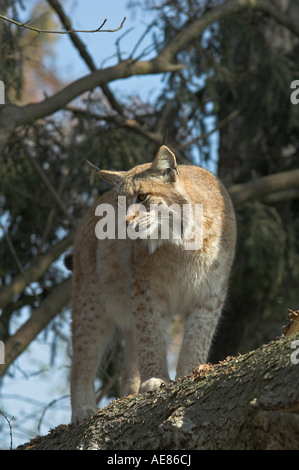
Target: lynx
139,284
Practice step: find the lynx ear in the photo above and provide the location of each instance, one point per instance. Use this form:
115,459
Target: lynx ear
165,163
112,177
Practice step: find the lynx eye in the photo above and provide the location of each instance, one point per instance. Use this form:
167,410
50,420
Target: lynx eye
141,197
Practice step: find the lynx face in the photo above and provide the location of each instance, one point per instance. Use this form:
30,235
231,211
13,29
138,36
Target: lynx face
174,259
158,210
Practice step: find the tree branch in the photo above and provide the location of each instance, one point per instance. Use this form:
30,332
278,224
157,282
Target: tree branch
134,126
81,48
50,187
16,258
121,121
67,24
280,196
31,112
219,126
38,266
228,7
39,319
262,187
12,116
47,31
244,402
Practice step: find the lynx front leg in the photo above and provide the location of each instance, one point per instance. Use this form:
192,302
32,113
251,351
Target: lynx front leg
198,334
152,351
130,380
150,341
90,336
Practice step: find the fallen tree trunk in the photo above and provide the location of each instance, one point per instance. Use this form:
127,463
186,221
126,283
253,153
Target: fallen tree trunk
245,402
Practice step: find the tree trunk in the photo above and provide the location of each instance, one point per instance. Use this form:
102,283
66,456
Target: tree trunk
245,402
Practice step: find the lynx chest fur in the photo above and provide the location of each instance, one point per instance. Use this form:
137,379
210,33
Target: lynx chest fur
160,243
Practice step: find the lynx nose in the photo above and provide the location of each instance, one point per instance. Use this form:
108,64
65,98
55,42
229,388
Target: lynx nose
130,218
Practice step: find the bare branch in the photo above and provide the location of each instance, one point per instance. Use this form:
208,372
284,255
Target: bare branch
47,31
261,187
38,266
107,387
195,29
39,319
12,116
10,427
279,196
221,124
130,124
51,189
81,48
17,259
51,215
47,407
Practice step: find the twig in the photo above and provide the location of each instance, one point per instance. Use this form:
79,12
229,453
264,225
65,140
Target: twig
53,211
81,48
40,317
50,187
134,126
47,31
53,402
204,136
104,390
10,427
142,37
127,123
118,41
37,267
18,262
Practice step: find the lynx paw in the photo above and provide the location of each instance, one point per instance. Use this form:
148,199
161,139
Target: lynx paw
83,414
151,385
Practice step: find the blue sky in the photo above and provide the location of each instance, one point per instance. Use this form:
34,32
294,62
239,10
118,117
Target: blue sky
90,14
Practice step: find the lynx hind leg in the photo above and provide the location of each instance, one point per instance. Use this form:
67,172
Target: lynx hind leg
91,332
199,330
130,380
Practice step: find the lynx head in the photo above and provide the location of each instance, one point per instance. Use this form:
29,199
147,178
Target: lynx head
152,199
